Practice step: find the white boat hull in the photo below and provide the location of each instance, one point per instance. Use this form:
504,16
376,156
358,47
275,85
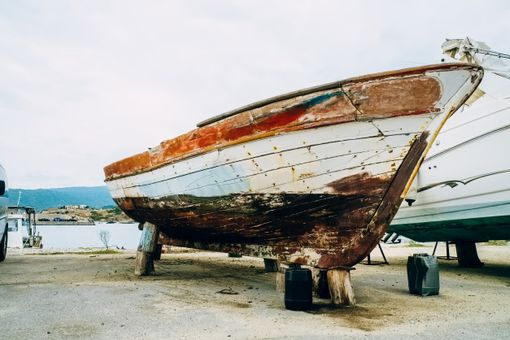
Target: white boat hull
464,183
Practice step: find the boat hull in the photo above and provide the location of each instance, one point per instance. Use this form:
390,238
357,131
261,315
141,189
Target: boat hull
313,178
305,228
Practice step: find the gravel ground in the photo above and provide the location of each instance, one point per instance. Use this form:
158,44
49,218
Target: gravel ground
84,296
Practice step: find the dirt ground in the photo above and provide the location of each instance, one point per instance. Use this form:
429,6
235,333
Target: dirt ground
98,297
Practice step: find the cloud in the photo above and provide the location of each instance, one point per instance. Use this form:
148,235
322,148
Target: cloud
86,83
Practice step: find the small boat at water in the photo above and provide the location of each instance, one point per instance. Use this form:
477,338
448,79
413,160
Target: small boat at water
22,228
462,191
312,177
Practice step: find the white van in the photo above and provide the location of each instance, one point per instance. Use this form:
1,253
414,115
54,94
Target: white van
4,203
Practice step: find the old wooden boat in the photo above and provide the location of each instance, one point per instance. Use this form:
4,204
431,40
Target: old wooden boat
462,191
312,177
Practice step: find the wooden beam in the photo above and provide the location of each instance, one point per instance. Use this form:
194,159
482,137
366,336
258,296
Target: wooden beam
340,287
144,264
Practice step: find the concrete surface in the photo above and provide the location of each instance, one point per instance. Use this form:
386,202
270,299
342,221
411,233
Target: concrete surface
87,296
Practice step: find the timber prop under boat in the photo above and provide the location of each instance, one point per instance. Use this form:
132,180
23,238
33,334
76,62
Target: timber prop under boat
313,177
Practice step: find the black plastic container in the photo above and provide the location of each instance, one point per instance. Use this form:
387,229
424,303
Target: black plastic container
423,274
298,288
412,273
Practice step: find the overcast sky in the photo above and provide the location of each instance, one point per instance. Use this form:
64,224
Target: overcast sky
86,83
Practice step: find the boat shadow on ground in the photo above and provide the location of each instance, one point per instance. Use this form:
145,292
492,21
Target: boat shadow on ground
366,319
497,270
239,274
211,268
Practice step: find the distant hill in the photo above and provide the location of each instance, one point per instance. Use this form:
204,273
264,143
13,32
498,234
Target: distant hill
41,199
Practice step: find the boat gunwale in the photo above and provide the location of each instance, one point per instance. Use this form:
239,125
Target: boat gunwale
330,86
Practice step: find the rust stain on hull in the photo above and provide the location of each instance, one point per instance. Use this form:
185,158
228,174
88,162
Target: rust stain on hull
395,97
369,235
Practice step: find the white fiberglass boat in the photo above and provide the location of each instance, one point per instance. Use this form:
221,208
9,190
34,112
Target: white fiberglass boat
462,191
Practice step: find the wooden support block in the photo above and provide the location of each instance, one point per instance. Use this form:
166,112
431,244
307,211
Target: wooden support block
340,287
320,283
144,264
280,280
271,265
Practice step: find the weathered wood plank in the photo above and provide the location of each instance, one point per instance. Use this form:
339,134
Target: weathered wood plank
258,165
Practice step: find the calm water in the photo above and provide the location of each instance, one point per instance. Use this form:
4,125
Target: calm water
121,235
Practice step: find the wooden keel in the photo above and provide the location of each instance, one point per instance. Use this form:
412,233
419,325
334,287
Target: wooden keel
467,254
147,248
340,287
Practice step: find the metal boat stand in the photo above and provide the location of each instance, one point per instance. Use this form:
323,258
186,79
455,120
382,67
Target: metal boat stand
370,262
467,255
447,257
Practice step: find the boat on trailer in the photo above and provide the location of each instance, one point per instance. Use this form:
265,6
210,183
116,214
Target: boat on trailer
313,177
462,191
